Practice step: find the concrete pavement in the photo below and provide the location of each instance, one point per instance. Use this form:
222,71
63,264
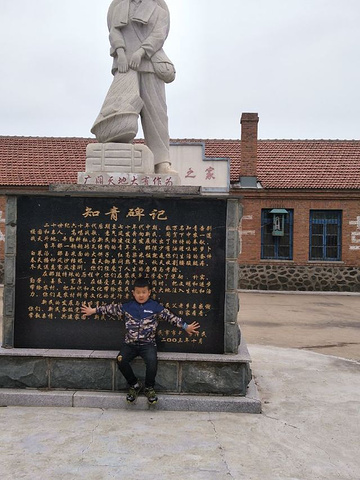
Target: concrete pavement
309,428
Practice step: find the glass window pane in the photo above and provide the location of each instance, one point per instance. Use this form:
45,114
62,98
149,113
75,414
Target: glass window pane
316,216
316,253
331,241
331,229
269,251
317,229
331,252
267,238
284,251
317,240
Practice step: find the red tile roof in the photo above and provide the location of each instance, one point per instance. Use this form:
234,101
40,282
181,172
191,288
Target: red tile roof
314,164
41,161
283,164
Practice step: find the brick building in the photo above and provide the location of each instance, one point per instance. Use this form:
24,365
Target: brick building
300,226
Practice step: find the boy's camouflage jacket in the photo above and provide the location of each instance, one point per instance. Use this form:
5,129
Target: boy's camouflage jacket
141,319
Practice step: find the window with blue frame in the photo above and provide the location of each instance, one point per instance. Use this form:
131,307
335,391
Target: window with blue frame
325,235
276,234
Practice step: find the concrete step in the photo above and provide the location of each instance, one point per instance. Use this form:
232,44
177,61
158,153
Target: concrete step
94,399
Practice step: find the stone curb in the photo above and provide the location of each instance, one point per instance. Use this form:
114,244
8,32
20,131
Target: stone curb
84,399
298,292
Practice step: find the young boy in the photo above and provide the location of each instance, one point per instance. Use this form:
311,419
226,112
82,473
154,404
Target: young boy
141,317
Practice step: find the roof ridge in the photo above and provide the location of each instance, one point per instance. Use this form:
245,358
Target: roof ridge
207,139
306,140
41,137
30,137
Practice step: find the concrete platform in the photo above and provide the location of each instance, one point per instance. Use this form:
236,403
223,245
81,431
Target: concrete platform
73,370
77,378
196,403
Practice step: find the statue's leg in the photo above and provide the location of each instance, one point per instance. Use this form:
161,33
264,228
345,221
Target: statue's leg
154,118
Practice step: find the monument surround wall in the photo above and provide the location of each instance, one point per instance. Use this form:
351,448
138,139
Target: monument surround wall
179,372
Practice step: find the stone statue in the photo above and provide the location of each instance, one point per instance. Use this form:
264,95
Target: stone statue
138,30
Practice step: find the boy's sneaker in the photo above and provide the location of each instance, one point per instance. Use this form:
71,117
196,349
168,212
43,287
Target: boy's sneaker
151,395
133,393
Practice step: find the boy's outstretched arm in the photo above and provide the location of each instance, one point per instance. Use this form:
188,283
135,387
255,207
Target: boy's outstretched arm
168,316
193,328
87,310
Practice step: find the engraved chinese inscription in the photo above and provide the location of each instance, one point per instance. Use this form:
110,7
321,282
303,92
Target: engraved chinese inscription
74,250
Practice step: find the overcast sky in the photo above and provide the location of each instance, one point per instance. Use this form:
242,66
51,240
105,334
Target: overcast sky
295,62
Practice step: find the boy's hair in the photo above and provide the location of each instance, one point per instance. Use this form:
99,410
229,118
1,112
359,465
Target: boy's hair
142,282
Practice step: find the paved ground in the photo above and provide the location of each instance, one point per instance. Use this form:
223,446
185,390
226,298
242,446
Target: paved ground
309,429
328,324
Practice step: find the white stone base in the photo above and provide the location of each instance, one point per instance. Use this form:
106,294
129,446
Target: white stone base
117,164
119,157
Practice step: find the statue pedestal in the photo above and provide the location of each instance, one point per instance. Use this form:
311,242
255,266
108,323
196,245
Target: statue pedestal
122,164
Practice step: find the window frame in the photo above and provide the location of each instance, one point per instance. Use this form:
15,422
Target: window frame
338,222
289,222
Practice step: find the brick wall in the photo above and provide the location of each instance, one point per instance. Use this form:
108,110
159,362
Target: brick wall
299,273
2,233
250,228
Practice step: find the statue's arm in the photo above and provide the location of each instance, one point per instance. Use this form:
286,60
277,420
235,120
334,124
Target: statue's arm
116,40
111,12
115,36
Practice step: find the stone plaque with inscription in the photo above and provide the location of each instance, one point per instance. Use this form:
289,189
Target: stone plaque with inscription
88,249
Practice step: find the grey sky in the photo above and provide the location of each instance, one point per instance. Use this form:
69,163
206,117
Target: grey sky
295,62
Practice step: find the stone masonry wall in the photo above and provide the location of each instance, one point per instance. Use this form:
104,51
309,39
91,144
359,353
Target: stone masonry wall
301,278
2,236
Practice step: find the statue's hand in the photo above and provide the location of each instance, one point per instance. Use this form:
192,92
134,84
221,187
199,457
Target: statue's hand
122,63
136,58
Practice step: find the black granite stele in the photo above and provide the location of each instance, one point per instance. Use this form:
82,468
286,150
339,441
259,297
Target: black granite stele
69,251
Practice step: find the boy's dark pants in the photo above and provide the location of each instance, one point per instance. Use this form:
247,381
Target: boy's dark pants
148,353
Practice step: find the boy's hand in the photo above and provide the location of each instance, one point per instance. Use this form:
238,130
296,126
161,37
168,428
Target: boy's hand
87,310
193,328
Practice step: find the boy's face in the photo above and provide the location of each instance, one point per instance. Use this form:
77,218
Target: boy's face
141,294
